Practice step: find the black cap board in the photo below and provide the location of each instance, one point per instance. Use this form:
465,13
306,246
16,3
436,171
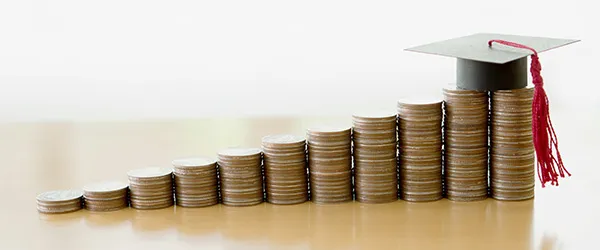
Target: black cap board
481,67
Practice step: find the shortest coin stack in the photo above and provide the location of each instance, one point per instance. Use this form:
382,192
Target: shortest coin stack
105,196
59,201
151,188
196,182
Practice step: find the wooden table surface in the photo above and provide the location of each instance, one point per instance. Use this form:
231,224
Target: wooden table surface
36,157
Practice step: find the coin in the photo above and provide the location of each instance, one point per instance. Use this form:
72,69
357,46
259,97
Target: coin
512,160
150,174
283,141
329,153
241,176
193,162
194,165
196,183
158,203
105,196
375,147
59,196
66,208
59,201
100,188
420,150
465,144
239,153
151,188
286,179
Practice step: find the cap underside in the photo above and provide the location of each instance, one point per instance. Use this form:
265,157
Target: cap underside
475,47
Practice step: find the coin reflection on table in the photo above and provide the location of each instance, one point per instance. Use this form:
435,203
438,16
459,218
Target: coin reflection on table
512,220
198,221
326,224
61,219
474,220
155,220
427,222
287,226
375,225
237,225
107,219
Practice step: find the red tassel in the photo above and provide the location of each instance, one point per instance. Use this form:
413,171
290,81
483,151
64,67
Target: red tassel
545,142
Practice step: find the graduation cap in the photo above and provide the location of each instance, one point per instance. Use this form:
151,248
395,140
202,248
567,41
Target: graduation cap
489,62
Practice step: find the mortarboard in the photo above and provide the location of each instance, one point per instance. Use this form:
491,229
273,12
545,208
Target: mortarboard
481,67
490,62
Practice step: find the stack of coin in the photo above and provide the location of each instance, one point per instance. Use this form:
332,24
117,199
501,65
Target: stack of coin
375,163
420,149
151,188
241,177
105,196
59,201
466,144
195,182
512,162
285,169
330,164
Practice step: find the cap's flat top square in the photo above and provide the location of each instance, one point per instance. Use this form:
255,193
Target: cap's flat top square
475,47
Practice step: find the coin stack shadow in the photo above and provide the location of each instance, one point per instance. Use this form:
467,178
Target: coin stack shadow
195,182
466,144
420,150
60,201
286,179
240,172
151,188
105,196
512,162
375,163
330,164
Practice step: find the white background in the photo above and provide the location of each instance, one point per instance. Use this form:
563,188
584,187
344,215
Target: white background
130,59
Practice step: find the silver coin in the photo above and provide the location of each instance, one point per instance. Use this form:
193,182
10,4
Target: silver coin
60,195
150,172
105,187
